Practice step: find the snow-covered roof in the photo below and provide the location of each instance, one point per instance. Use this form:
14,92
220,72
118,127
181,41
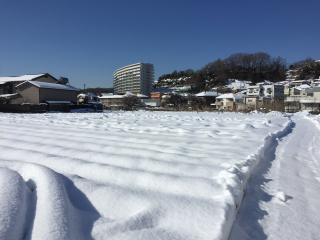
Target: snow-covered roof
298,81
112,96
304,86
92,94
238,85
130,94
266,82
141,95
106,94
310,101
83,95
28,77
208,94
230,95
50,85
8,95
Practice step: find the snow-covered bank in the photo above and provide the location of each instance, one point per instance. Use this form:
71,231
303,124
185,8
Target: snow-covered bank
133,175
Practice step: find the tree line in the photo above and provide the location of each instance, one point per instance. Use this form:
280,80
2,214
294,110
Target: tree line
254,67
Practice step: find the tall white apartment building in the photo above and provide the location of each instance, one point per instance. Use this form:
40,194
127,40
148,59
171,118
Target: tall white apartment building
136,78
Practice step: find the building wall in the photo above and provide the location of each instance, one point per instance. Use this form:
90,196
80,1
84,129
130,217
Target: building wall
47,94
310,106
251,102
157,95
29,94
108,102
136,78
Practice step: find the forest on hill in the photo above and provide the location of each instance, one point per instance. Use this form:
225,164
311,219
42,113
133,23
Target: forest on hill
254,67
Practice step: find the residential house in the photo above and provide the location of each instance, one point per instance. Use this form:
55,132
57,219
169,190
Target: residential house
208,97
270,90
310,101
228,101
238,86
256,102
115,101
8,84
57,96
157,95
291,91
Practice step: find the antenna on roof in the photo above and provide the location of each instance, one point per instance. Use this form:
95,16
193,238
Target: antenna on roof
63,80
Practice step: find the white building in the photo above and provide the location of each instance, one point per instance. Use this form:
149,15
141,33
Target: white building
261,90
136,78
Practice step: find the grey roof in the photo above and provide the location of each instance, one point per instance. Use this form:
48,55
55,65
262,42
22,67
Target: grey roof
50,85
27,77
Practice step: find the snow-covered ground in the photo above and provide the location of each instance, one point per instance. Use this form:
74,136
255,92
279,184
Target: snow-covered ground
127,175
282,199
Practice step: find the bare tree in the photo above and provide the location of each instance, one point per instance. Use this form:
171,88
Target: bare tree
130,102
175,100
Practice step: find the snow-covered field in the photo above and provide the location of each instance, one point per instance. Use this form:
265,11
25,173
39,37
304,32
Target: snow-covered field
127,175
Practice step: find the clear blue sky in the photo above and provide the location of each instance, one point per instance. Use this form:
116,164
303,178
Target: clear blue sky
87,41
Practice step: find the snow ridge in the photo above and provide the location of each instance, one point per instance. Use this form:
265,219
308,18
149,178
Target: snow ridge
240,173
131,175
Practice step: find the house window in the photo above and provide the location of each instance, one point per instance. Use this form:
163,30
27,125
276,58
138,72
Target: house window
249,100
310,94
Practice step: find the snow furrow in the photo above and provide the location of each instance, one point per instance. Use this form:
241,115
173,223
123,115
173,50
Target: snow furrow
134,176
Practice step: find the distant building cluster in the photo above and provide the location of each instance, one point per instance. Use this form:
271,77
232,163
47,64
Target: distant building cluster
136,82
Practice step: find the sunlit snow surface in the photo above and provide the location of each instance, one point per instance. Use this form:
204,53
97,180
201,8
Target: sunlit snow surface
125,175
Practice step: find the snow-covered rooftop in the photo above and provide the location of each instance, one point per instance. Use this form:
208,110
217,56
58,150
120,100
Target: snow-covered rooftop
112,96
8,95
208,94
230,95
50,85
141,95
28,77
238,85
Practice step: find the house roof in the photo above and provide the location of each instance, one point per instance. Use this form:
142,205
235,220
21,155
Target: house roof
106,94
230,95
8,95
141,95
239,85
50,85
28,77
208,94
112,96
92,94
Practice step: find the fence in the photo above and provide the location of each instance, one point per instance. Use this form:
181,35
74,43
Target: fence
25,108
